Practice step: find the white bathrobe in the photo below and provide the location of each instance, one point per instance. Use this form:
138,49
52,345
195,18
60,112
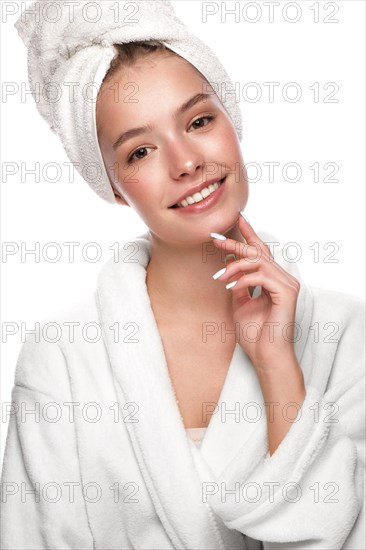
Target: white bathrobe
121,472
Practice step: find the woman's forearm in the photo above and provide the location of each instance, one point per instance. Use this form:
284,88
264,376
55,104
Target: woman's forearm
284,391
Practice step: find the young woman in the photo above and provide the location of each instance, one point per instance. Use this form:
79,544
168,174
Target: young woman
203,411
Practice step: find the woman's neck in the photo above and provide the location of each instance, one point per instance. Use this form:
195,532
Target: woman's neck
179,279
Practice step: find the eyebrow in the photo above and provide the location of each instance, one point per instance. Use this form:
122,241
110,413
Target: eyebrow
134,132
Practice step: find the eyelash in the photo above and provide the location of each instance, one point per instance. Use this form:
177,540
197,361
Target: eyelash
210,118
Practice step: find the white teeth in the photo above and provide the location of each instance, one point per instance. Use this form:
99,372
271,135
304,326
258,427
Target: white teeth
198,197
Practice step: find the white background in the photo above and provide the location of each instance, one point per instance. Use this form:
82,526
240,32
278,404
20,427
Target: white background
305,132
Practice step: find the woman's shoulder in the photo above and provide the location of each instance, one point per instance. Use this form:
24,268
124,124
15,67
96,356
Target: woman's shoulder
61,326
60,322
70,332
338,319
338,306
337,337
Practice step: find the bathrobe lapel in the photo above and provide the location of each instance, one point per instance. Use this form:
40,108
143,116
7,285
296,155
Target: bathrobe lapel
170,467
140,369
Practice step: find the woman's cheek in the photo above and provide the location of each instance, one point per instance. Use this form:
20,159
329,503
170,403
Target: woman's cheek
140,195
126,180
222,147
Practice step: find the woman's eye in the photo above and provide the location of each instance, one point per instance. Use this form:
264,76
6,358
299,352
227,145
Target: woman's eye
137,153
207,117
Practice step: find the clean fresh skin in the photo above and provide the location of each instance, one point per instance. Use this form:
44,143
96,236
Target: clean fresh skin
184,134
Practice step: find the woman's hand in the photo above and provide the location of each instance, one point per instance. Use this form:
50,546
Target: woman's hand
267,322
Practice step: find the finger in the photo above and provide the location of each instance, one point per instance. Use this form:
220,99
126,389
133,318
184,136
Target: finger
239,249
244,266
236,268
273,275
238,271
254,252
230,258
231,274
277,289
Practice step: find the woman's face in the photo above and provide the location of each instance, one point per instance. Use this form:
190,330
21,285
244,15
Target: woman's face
177,151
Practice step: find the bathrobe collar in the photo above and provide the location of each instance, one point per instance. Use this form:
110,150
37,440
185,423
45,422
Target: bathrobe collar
170,464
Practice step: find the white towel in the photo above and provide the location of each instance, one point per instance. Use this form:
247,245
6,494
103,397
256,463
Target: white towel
70,48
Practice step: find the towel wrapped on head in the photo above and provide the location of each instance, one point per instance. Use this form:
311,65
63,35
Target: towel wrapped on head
70,52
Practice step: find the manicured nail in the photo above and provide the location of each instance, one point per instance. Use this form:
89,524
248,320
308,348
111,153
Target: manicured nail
218,236
230,285
219,273
242,215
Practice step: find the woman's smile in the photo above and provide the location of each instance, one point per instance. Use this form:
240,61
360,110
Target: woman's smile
201,202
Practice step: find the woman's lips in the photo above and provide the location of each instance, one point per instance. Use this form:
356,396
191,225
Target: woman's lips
205,203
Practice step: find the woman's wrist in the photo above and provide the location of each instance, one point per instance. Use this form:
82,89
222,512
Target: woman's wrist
281,376
283,389
276,364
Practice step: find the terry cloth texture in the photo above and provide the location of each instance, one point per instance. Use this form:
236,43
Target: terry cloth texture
70,52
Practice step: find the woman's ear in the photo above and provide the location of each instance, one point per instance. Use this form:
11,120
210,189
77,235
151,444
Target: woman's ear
119,197
121,200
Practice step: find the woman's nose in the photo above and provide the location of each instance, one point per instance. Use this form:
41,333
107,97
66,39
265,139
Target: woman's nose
184,159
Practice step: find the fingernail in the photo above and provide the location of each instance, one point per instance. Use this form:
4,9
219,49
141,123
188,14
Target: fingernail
242,215
219,273
230,285
218,236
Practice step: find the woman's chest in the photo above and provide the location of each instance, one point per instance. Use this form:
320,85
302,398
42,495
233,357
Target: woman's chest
197,368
